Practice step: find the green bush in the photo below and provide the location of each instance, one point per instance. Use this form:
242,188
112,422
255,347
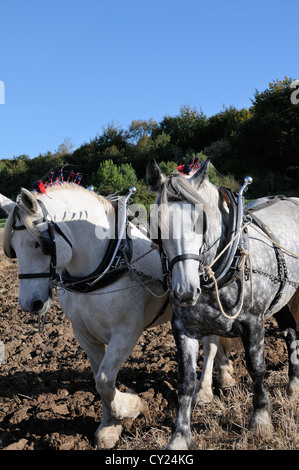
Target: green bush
111,178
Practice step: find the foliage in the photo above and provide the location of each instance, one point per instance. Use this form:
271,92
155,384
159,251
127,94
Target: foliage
262,141
267,144
184,129
141,128
111,178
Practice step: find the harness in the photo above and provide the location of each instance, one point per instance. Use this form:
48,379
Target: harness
282,277
111,268
113,265
230,263
226,267
46,241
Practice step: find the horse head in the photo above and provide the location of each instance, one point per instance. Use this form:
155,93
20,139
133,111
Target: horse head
27,236
180,213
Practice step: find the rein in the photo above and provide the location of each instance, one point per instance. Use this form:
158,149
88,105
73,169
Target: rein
241,266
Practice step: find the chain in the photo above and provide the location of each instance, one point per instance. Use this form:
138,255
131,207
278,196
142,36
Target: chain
120,265
139,274
273,278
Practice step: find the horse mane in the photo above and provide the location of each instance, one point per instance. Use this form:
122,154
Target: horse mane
75,187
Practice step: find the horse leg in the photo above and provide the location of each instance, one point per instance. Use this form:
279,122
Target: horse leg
224,366
204,392
287,326
121,405
252,335
187,362
109,431
213,350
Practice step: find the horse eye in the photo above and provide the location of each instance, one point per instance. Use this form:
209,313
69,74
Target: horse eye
36,245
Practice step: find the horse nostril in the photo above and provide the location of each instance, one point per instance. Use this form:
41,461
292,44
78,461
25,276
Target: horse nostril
198,291
37,306
187,298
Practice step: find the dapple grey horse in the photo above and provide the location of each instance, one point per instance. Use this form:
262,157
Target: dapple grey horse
259,280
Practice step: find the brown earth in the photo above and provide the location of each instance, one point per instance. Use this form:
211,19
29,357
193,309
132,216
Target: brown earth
48,399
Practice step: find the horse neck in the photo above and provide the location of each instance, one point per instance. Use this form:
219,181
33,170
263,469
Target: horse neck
90,226
216,220
92,238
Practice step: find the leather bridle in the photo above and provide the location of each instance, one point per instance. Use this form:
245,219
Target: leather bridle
231,201
104,274
183,257
46,241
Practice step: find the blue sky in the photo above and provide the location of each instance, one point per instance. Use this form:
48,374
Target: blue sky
71,67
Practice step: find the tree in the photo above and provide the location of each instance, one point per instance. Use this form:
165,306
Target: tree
112,135
262,141
65,148
14,175
110,178
184,129
141,128
268,142
128,174
224,124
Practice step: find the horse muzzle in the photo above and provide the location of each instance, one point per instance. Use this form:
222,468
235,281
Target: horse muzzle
187,298
36,305
185,283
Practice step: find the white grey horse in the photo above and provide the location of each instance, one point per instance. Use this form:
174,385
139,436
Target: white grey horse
212,294
66,239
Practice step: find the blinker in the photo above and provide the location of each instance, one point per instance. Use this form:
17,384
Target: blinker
45,243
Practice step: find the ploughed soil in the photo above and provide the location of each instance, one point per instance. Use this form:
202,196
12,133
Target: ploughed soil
48,399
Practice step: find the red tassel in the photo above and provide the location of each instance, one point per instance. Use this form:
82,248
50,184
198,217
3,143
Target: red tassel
41,187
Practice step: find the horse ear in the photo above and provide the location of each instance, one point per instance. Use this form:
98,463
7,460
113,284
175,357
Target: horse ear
154,176
6,204
29,201
200,175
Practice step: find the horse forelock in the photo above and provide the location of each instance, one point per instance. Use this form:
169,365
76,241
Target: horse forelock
177,188
22,214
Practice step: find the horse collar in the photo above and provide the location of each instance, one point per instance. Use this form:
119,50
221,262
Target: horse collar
114,263
105,273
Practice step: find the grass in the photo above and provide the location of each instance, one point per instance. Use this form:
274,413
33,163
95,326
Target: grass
223,425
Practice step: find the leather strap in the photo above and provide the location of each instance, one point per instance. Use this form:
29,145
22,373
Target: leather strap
183,257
